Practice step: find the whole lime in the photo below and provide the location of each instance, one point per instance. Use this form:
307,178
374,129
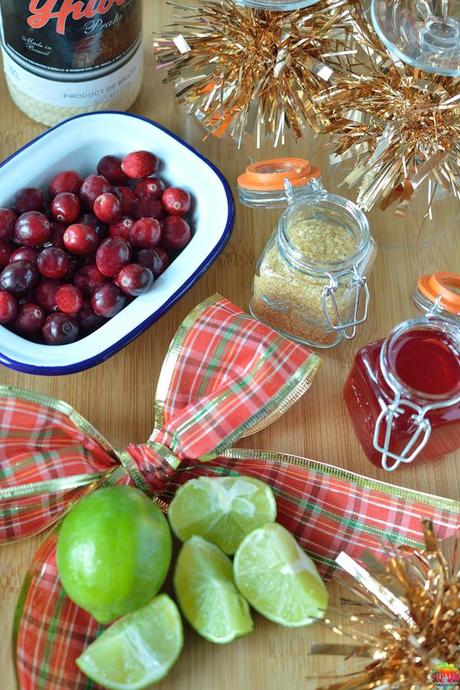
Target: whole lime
113,552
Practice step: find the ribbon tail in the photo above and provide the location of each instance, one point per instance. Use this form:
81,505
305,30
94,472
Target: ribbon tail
51,631
330,510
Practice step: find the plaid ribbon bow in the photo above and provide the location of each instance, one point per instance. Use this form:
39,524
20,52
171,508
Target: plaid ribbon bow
225,376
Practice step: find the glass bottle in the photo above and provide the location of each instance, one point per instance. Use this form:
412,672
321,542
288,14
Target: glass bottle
63,59
403,392
310,283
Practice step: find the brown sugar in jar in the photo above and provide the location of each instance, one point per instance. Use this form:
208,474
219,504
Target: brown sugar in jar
290,299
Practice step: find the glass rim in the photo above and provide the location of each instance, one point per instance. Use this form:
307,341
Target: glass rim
438,323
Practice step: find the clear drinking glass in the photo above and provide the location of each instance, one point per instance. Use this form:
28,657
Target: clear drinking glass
422,33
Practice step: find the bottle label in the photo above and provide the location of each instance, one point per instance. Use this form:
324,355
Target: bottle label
71,40
77,94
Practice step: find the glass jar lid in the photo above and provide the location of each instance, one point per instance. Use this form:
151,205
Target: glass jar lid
263,184
439,293
277,5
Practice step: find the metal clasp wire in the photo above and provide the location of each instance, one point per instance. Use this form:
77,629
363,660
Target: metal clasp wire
359,282
415,444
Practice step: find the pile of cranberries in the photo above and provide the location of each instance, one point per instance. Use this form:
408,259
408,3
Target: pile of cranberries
74,259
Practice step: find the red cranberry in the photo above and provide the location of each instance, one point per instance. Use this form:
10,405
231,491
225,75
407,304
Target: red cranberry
7,222
29,319
60,329
69,299
145,233
88,279
110,167
107,208
112,255
127,198
45,294
99,228
152,187
29,199
146,207
66,181
24,254
80,239
134,279
65,207
88,320
122,228
8,307
177,202
32,229
53,263
139,164
57,235
175,233
6,251
92,187
74,266
18,277
108,300
88,259
157,260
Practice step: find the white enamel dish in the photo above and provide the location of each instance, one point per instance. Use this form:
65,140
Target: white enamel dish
78,144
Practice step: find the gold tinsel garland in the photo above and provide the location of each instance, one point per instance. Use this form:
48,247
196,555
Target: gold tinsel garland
414,602
400,126
243,71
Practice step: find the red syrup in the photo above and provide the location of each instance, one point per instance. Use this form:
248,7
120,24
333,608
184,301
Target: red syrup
425,363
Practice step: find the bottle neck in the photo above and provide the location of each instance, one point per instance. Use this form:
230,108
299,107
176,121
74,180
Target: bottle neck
420,361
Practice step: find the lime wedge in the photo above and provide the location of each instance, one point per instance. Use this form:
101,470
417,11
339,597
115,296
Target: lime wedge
207,595
137,650
222,510
278,579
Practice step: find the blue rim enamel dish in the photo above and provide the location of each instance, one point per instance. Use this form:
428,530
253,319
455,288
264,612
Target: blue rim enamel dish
79,143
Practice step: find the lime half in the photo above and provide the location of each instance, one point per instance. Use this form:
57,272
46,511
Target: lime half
137,650
278,579
207,595
222,510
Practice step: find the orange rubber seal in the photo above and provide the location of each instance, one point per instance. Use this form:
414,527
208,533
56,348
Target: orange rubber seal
440,284
269,175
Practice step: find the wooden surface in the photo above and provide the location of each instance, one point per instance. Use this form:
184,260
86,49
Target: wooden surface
118,396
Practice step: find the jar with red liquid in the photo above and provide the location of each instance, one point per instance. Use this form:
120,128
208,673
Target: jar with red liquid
403,392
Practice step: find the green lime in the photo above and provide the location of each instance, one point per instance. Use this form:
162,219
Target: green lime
222,510
278,579
137,650
207,595
113,552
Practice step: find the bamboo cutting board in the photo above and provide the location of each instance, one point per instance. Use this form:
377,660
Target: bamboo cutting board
117,397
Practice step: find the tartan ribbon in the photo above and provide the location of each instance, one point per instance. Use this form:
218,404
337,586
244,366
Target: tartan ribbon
225,376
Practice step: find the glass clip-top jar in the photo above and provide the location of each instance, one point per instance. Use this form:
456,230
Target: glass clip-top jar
403,393
311,280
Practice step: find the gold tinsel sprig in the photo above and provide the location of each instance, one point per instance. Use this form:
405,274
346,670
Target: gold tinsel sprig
400,126
415,599
243,71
